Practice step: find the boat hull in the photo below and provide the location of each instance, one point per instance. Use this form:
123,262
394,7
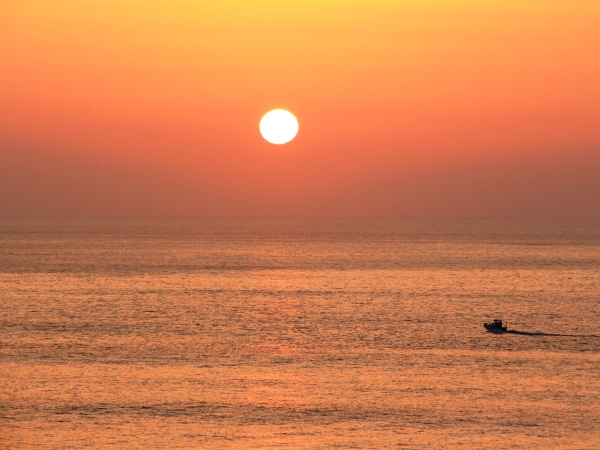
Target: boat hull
493,329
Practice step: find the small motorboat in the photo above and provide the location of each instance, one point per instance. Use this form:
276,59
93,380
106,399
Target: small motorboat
496,326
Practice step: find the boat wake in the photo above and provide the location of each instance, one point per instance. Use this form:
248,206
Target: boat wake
539,333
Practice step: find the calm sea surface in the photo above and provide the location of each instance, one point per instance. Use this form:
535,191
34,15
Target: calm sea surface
298,334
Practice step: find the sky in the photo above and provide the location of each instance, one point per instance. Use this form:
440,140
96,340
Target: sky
421,108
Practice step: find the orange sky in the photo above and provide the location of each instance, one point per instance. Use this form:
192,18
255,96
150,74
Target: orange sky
428,108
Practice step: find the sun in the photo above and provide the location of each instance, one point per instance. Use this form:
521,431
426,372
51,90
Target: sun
278,126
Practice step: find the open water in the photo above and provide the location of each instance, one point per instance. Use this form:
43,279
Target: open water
298,334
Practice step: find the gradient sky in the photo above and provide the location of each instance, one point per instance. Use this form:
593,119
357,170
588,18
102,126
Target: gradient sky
423,108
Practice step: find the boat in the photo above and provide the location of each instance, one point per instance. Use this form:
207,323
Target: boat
496,326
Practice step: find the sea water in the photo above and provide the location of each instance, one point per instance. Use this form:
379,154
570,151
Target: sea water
298,334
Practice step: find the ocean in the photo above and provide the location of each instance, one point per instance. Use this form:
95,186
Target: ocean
182,334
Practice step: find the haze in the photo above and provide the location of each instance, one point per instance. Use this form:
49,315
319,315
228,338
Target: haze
407,108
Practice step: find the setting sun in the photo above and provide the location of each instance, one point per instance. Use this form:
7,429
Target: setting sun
279,126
